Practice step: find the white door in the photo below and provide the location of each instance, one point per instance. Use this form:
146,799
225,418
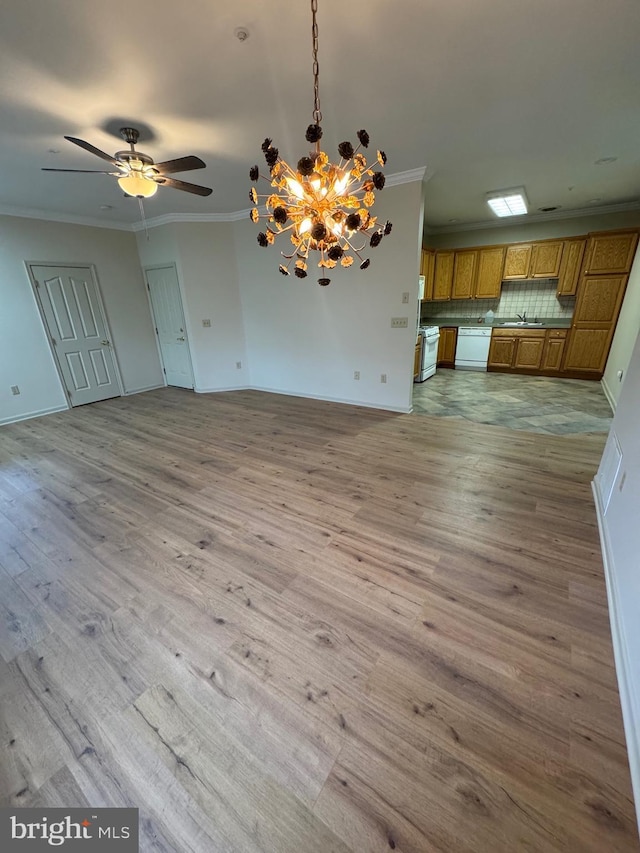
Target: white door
168,316
77,327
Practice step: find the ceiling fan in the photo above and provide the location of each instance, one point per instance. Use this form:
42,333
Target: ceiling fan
137,174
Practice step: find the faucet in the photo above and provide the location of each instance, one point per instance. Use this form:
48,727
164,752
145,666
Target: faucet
522,317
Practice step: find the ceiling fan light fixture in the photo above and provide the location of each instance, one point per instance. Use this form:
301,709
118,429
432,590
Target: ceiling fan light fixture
138,185
511,202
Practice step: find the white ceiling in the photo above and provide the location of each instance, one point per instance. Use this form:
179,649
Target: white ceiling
486,95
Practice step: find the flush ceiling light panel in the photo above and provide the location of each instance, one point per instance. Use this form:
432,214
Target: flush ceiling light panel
511,202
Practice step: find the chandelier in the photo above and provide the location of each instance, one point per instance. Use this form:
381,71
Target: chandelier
324,207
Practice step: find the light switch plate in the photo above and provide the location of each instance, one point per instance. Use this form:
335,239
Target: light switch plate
399,322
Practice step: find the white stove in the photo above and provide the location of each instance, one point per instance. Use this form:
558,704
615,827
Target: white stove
430,336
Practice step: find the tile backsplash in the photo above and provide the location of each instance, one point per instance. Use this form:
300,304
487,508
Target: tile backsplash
537,297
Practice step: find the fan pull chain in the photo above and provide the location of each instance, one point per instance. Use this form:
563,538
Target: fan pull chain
144,221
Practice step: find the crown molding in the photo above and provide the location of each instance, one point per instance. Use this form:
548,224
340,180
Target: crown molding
66,218
408,177
525,219
393,180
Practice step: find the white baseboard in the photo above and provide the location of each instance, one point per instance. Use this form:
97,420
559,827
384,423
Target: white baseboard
608,394
222,388
628,700
404,410
129,391
38,414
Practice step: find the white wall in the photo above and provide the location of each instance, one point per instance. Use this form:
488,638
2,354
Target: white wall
308,340
624,337
620,530
25,356
205,259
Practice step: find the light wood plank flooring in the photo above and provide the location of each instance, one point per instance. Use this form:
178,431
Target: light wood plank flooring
276,624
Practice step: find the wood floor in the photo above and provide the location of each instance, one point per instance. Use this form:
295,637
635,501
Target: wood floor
283,625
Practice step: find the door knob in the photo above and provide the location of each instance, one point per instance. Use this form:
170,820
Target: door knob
105,343
179,339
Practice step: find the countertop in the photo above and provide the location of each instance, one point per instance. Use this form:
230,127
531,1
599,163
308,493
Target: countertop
547,322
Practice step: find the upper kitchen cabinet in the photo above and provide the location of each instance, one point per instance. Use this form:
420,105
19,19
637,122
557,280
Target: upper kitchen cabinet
443,275
464,274
533,260
427,264
489,278
570,265
610,252
517,261
545,259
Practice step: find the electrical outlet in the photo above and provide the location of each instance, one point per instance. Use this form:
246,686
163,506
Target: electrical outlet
405,297
356,374
383,378
15,390
399,322
206,324
238,365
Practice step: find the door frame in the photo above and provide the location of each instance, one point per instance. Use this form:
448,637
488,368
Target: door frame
103,314
184,315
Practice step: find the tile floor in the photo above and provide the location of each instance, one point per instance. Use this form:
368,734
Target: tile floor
532,403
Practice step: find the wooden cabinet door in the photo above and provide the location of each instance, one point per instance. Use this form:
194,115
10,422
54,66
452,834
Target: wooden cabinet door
447,345
443,275
489,278
587,350
569,273
599,300
517,261
610,253
553,350
545,259
416,359
528,354
501,351
464,274
426,269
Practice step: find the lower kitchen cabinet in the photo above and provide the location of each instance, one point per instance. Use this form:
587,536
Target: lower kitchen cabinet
553,350
447,346
417,358
526,350
528,354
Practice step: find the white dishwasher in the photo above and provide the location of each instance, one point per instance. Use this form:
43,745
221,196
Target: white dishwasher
472,348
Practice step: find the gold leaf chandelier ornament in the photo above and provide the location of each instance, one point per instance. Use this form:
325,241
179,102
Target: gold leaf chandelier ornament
323,206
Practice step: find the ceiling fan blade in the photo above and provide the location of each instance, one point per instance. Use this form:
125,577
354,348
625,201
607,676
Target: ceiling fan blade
86,171
182,185
180,164
92,149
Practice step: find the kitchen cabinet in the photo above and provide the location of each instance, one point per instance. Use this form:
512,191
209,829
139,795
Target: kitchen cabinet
517,261
464,274
553,350
447,346
597,307
517,349
533,260
489,278
426,269
501,351
545,259
569,272
443,275
610,252
417,358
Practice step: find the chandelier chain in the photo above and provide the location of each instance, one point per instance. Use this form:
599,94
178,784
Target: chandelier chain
317,115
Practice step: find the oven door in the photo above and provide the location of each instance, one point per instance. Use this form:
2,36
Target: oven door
429,355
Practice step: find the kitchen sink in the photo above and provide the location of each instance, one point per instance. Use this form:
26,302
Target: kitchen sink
521,324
